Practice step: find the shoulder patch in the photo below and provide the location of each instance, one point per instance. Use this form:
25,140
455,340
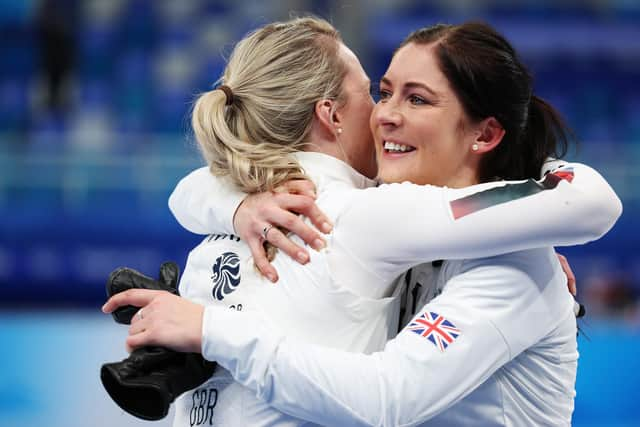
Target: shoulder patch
435,328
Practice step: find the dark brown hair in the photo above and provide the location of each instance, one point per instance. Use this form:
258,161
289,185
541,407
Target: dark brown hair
489,79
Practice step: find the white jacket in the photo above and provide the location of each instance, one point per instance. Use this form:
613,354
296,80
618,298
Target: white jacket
494,304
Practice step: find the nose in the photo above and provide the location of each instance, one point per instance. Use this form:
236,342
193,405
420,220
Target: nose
386,114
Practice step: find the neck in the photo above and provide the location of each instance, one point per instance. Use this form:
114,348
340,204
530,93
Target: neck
326,148
322,141
330,146
464,177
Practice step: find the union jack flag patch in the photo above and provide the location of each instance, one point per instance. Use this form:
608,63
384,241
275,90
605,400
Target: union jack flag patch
435,328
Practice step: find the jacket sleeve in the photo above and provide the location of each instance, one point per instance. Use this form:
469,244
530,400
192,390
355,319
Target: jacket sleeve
411,224
205,204
413,379
407,224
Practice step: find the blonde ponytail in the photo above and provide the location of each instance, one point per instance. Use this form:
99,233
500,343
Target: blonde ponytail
276,75
253,167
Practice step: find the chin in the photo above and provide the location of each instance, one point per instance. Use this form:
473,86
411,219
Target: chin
390,177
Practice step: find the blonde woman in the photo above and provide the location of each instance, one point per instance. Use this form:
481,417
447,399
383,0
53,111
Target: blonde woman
259,130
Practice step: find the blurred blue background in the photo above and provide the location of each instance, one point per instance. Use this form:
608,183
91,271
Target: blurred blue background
94,101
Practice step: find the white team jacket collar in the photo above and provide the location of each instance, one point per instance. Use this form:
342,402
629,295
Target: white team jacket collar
318,164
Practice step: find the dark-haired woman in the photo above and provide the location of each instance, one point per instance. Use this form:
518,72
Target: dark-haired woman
490,341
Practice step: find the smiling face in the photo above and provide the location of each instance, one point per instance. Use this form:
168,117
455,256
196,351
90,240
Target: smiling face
420,129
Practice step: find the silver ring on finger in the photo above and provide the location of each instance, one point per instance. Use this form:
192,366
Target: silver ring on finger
265,231
139,314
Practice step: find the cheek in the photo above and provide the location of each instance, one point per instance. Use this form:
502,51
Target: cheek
365,115
365,122
378,151
372,118
361,115
442,157
435,139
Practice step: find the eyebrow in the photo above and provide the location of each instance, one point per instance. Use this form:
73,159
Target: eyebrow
385,80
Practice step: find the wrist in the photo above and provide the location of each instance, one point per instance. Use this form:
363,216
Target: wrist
195,343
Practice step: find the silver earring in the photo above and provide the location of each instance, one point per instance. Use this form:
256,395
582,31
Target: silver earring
475,147
339,130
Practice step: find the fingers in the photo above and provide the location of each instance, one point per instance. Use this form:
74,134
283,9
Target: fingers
140,339
138,335
307,207
571,278
258,212
138,322
261,261
278,239
276,210
135,297
168,321
297,226
298,186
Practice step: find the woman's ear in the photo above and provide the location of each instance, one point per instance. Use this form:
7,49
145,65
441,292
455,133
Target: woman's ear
490,134
326,116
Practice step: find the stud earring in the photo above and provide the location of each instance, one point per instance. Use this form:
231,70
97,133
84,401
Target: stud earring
339,130
475,147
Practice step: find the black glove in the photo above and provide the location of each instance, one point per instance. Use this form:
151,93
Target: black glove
148,381
124,278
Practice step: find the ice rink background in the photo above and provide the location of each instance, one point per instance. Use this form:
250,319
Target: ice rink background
94,98
50,375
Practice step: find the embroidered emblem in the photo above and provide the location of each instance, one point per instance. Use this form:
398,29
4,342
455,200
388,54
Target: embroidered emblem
226,275
435,328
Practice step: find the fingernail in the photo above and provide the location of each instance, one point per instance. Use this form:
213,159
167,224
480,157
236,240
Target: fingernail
272,277
103,308
302,257
318,244
326,227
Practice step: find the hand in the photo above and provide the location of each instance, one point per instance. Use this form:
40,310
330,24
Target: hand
164,320
124,278
571,278
277,208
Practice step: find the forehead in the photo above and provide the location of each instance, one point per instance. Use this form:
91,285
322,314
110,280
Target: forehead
416,63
